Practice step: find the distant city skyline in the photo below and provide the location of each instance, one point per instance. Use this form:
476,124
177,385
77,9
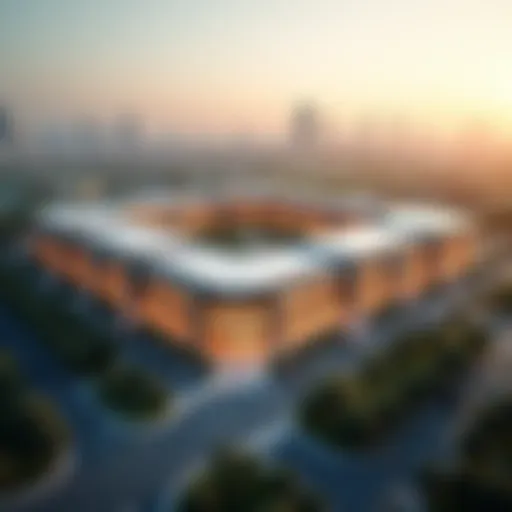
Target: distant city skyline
309,128
216,67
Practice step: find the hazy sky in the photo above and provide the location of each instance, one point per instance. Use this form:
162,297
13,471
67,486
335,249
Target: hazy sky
217,65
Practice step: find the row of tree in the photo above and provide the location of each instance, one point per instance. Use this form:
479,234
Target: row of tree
32,433
355,409
82,348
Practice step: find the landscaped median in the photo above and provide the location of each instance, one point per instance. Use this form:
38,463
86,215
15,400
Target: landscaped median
357,409
85,351
236,481
33,436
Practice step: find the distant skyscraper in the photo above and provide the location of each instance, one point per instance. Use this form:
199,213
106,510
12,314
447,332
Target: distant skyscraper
6,127
304,129
86,138
128,132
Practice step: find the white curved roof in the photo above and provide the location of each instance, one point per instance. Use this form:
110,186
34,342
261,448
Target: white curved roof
253,272
358,242
106,227
133,241
425,219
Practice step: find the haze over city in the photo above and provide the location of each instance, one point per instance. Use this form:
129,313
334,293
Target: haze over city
237,66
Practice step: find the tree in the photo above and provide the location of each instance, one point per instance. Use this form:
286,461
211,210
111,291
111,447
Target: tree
11,381
340,411
31,433
481,478
133,392
235,482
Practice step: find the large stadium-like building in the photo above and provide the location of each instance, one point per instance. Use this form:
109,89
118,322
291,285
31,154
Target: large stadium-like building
248,278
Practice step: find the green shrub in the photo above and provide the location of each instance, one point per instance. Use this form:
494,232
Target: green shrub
235,481
489,438
340,412
32,435
382,379
11,380
133,392
82,352
461,488
462,341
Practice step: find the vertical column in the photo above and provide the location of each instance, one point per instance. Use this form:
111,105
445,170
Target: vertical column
469,250
455,257
433,252
97,262
412,273
367,290
394,274
138,284
276,323
127,297
347,288
198,308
